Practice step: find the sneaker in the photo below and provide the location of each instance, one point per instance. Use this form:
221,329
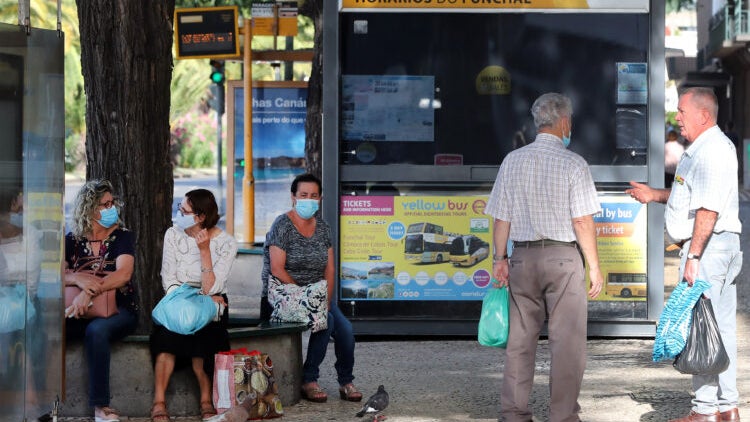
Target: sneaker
106,414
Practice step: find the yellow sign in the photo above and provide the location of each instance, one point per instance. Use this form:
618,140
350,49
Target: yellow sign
493,80
274,19
631,5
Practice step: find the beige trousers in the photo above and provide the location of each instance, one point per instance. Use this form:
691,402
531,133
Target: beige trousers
545,282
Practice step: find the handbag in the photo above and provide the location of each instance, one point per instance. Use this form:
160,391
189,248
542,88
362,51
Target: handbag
15,308
241,375
184,310
294,303
704,352
103,305
494,322
674,322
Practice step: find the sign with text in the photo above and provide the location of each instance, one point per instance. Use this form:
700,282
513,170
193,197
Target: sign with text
206,32
414,248
275,18
454,5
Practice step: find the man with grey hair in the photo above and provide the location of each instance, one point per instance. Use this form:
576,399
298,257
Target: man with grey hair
702,217
544,200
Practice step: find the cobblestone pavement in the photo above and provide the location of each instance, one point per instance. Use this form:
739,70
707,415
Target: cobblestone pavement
459,380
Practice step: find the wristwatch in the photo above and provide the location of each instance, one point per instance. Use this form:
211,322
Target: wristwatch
694,256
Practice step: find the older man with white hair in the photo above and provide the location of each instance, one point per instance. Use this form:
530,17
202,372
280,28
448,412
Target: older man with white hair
544,200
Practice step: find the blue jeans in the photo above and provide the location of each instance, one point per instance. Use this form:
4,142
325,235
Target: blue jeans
98,334
341,330
720,263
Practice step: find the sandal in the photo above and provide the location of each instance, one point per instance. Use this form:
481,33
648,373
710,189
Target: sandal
207,410
312,392
349,392
161,414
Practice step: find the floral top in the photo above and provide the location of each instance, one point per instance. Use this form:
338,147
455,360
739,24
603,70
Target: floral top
119,242
181,260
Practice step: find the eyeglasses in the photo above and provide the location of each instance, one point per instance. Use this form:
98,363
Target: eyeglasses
109,204
183,212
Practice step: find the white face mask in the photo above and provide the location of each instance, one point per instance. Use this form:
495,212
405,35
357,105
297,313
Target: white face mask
184,221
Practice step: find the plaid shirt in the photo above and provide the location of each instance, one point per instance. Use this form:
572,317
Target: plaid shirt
706,177
540,188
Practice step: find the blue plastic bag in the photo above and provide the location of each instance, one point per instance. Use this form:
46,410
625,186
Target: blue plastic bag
674,322
184,310
15,308
494,322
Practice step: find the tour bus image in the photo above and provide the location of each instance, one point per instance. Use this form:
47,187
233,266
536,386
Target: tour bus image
626,285
467,250
426,243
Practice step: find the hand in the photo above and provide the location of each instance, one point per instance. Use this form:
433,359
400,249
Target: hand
80,305
641,192
89,283
203,239
501,273
595,275
218,299
690,274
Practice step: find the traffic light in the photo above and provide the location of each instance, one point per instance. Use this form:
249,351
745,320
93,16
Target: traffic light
216,101
217,71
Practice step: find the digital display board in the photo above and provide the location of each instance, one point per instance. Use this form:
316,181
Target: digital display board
206,32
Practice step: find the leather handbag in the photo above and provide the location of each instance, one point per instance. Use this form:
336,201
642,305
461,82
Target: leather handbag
103,305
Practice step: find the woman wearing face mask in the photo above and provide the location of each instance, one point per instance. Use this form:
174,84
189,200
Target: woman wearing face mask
198,253
298,249
99,232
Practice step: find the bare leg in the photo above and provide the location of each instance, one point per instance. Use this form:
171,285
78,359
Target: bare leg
163,369
204,382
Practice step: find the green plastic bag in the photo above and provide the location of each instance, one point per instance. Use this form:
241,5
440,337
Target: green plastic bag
494,323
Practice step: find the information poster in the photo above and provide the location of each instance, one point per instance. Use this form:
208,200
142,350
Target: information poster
388,108
632,83
621,241
414,248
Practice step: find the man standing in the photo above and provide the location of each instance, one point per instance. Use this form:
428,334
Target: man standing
544,199
702,216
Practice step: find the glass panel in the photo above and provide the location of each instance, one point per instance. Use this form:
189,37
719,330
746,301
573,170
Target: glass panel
31,183
456,88
410,250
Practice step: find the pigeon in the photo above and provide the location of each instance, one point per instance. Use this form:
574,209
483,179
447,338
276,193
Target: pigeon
237,413
375,404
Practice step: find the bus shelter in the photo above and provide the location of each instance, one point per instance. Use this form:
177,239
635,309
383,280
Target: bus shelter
422,100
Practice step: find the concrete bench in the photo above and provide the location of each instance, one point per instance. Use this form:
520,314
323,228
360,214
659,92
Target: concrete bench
132,378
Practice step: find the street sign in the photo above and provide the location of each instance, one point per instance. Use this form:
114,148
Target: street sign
206,32
279,18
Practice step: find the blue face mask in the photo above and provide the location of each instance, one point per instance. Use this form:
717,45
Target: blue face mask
566,139
16,219
108,217
306,208
184,221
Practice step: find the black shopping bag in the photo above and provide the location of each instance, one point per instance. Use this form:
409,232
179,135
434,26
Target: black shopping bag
704,352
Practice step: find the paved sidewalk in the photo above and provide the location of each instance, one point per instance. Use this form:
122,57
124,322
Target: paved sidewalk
459,380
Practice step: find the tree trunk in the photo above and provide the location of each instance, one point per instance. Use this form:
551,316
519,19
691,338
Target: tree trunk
314,122
126,61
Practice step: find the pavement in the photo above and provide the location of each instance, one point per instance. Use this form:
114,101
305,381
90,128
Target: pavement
453,379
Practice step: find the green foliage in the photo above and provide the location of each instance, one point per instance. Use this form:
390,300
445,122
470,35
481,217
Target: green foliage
75,151
193,139
669,118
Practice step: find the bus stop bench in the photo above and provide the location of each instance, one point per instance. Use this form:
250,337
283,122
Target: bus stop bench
132,377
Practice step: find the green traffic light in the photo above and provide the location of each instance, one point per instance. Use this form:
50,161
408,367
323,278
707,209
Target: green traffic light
217,77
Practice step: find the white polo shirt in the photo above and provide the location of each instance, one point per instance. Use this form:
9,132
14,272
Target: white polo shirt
706,177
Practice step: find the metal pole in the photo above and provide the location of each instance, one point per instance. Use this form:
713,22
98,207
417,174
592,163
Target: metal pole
218,143
248,183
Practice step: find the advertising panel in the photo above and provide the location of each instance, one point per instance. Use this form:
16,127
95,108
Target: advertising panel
457,5
621,241
278,156
423,248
